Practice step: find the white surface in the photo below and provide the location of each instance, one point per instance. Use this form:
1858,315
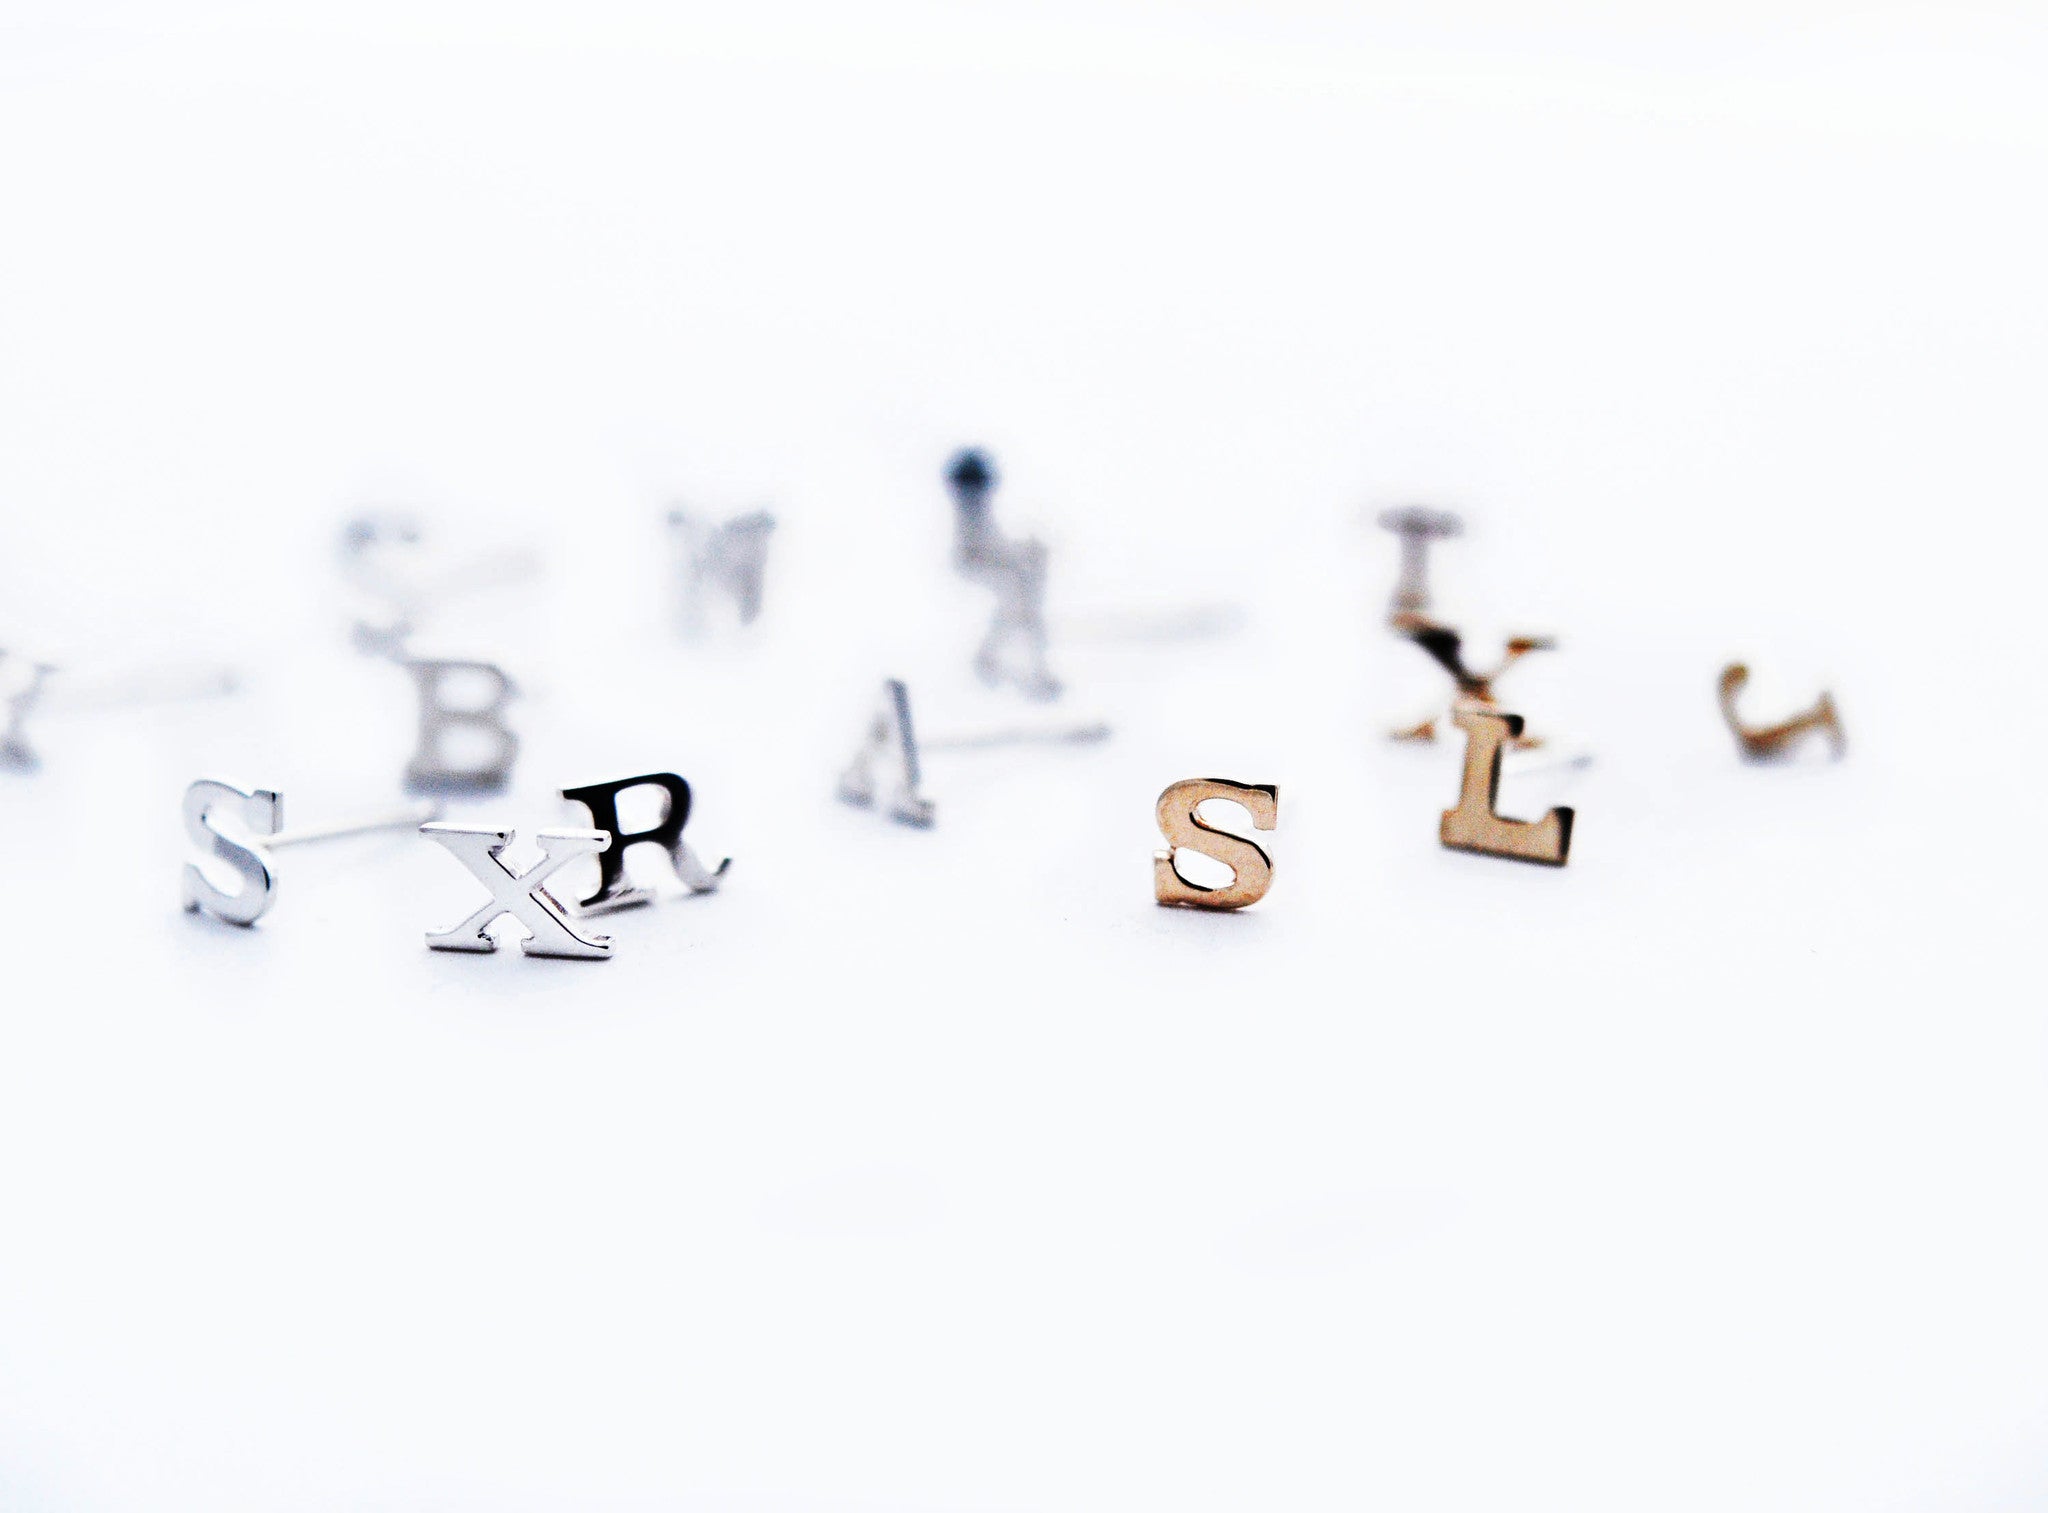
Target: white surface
944,1171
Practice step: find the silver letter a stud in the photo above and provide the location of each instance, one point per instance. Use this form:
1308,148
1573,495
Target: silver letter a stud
523,895
891,746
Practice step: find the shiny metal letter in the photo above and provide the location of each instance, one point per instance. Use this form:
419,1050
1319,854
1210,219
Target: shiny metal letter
263,812
1184,828
602,800
1473,825
890,741
431,769
523,895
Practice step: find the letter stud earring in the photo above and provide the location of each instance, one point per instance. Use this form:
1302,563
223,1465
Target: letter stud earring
602,801
1184,828
431,769
1473,825
1772,742
523,895
261,812
885,765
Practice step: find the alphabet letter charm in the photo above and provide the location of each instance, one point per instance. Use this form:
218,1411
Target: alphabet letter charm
1774,741
1473,825
602,800
1183,827
1014,650
20,700
889,742
263,812
1447,649
522,895
431,769
729,558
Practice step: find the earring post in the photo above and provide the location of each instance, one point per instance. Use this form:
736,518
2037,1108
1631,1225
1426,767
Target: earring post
1019,735
409,817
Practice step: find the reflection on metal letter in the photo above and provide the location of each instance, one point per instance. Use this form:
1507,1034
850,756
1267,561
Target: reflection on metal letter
523,895
1184,828
1473,825
602,800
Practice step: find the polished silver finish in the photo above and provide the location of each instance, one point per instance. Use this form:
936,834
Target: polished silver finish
431,769
260,811
728,558
1417,526
26,679
523,895
601,800
890,745
1014,650
1019,735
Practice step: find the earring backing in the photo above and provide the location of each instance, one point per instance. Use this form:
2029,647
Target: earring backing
260,812
1771,742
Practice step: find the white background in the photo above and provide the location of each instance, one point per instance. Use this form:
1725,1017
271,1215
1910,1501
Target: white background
937,1171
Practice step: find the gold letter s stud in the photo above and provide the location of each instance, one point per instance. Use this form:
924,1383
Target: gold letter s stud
1183,827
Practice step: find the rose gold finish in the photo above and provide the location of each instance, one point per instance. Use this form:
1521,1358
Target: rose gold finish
1473,825
1184,828
1770,742
1475,689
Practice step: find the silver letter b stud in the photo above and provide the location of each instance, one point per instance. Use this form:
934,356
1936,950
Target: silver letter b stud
523,895
432,770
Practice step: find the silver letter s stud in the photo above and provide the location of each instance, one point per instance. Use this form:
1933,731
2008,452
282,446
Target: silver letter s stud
262,811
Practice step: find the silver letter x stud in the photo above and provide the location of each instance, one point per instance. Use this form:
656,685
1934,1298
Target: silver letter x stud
522,895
